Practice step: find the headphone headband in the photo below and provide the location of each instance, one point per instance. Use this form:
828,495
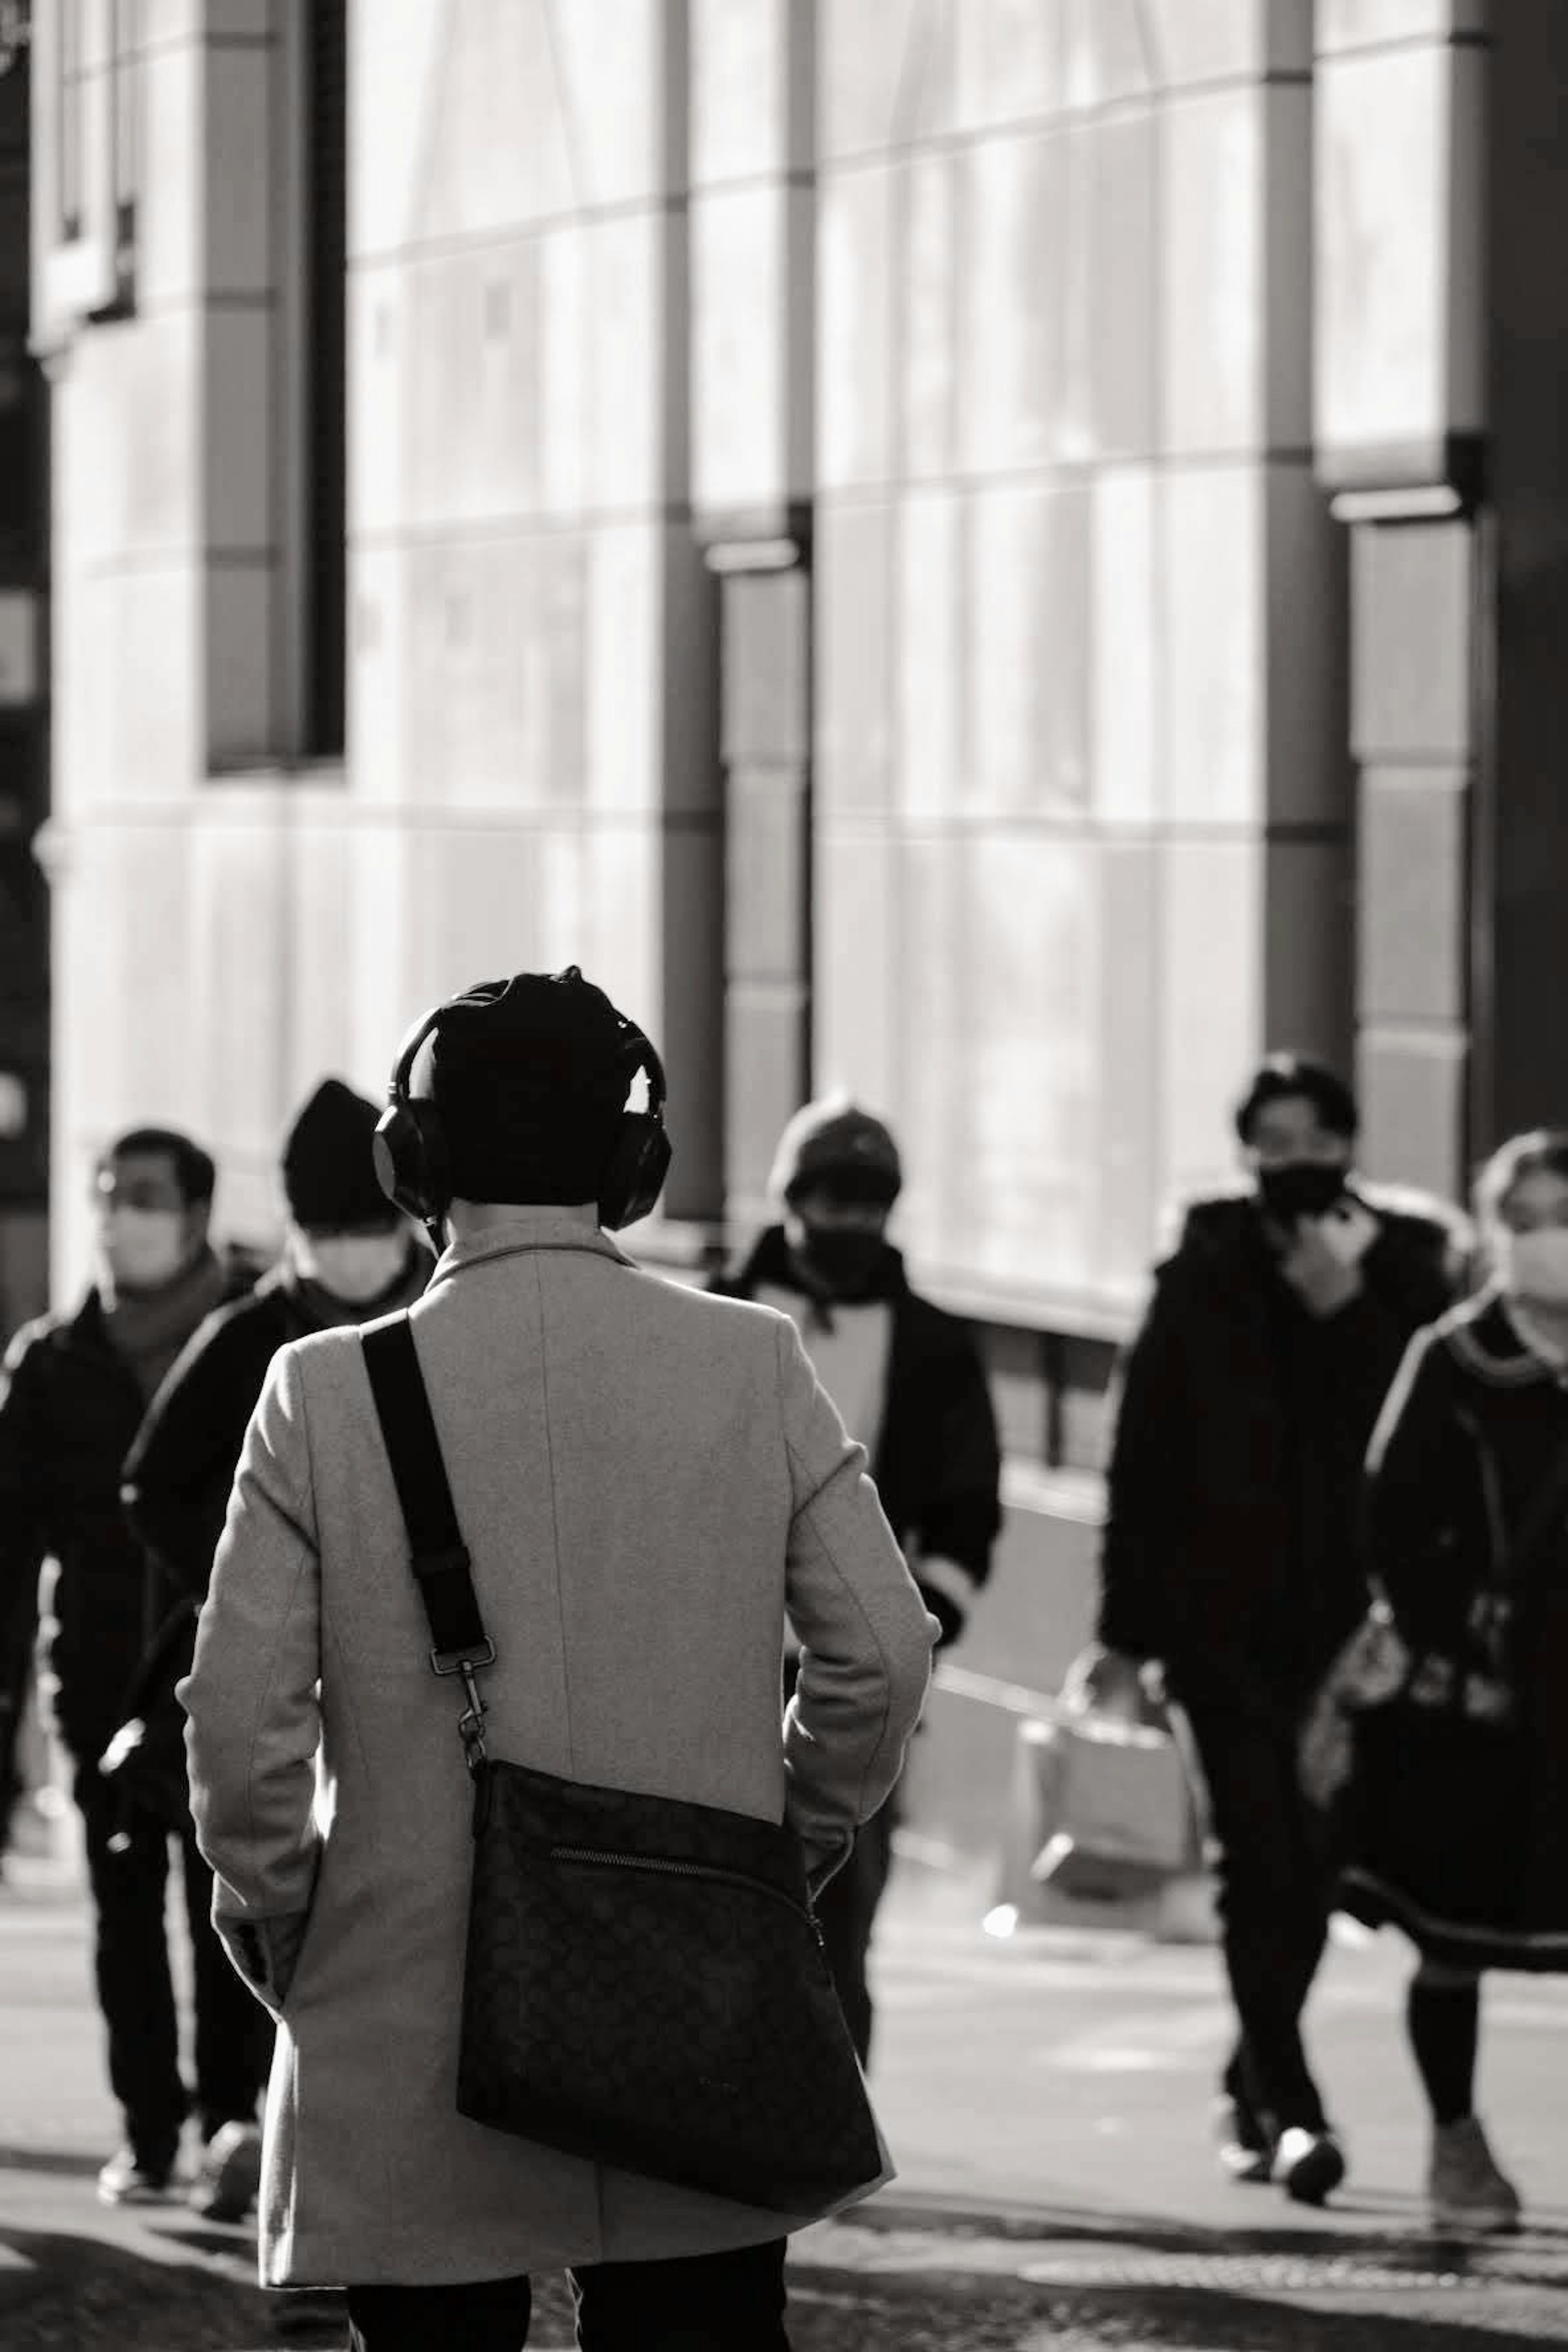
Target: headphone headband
634,1050
411,1149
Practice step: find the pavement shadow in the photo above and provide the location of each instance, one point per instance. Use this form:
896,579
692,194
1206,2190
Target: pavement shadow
58,2162
95,2296
1200,2321
833,2310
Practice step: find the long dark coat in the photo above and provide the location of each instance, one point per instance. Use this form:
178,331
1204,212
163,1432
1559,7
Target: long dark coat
1458,1831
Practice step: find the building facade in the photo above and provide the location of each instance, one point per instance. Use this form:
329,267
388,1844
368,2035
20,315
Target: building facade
1001,553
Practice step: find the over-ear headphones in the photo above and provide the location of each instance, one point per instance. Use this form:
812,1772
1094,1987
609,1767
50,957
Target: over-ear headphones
412,1164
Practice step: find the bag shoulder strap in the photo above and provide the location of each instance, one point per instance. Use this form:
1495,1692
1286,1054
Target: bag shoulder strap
437,1554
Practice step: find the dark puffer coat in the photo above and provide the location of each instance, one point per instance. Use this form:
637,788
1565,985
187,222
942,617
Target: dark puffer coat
1231,1549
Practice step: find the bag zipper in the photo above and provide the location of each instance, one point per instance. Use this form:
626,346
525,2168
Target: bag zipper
669,1869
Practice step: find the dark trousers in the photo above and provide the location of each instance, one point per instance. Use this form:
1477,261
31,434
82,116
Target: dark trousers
135,1987
1275,1889
846,1912
698,2303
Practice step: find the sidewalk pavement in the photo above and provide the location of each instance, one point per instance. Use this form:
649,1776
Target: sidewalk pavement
1045,2097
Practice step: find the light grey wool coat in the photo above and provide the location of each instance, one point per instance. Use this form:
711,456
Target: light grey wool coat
647,1479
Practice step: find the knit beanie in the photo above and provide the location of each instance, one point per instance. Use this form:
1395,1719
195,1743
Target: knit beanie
329,1175
835,1143
530,1078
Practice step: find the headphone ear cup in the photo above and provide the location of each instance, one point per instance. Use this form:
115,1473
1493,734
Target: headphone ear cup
409,1148
633,1178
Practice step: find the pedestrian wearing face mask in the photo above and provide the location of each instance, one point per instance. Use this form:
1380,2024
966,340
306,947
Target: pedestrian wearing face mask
908,1381
349,1256
1230,1564
1460,1811
73,1391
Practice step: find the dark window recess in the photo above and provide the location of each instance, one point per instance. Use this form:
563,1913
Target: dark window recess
326,253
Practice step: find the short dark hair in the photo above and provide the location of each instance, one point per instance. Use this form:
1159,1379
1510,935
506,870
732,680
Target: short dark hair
195,1171
531,1078
1285,1077
1523,1155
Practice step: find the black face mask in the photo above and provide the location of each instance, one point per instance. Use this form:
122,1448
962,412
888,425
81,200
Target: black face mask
843,1260
1300,1188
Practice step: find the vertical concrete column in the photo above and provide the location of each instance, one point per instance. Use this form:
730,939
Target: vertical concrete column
1398,424
752,345
1520,885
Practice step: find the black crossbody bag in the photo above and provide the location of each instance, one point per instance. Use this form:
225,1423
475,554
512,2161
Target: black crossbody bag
645,1983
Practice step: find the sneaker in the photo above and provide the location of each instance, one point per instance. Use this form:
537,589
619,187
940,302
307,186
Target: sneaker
129,2179
1241,2144
1466,2187
230,2175
1308,2164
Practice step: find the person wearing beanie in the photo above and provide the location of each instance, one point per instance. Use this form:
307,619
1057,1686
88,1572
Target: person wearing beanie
348,1257
909,1382
646,1480
73,1391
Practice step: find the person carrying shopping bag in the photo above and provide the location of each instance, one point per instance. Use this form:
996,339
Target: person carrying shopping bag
1230,1560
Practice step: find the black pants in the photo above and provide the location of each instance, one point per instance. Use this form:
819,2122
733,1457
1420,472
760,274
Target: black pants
1275,1888
846,1912
135,1987
698,2302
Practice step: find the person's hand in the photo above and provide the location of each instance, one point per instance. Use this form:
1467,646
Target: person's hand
1107,1682
1152,1676
1323,1261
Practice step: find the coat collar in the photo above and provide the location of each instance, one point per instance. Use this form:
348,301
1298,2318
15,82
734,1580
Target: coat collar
1484,1336
530,1229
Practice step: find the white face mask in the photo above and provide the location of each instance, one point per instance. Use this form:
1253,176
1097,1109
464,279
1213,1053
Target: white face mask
1534,1265
353,1267
145,1247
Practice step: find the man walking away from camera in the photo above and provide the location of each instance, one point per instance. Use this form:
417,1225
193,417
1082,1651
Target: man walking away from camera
646,1479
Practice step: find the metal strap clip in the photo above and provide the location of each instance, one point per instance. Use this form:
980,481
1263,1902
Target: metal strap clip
471,1722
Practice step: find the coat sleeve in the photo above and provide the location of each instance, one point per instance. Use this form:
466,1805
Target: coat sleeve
960,1512
1146,1491
1409,1517
23,1538
251,1696
865,1636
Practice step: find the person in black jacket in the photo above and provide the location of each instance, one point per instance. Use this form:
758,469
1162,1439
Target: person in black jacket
908,1381
349,1257
1230,1554
73,1391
